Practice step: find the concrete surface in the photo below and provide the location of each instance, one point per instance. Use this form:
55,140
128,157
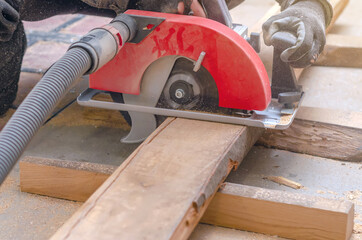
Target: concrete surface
27,216
319,176
332,88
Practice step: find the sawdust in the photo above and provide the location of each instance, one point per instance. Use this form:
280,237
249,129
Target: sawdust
3,207
76,115
353,195
57,219
81,166
5,118
356,197
357,229
285,120
30,216
331,192
7,186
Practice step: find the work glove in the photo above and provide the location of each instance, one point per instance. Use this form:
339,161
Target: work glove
299,31
9,19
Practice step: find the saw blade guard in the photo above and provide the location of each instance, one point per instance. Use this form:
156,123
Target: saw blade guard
238,72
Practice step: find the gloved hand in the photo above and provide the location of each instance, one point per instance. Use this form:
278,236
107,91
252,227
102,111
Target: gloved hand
9,19
303,24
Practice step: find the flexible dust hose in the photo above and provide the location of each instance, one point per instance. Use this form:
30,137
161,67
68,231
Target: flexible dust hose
36,107
94,50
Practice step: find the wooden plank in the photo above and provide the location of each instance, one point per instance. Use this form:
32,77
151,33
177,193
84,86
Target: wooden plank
319,136
290,215
69,180
170,180
233,201
338,8
341,51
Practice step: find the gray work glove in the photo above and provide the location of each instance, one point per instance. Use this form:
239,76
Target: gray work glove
9,19
301,25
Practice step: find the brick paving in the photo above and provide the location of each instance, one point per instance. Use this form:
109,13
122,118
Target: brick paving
42,54
49,39
48,24
85,24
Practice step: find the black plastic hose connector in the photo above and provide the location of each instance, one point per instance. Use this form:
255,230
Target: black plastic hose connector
37,106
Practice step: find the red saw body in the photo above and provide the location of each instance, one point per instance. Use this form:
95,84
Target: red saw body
192,67
237,70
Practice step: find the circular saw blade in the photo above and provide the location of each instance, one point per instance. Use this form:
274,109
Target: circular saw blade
207,95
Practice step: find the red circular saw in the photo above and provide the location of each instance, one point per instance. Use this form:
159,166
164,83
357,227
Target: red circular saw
192,67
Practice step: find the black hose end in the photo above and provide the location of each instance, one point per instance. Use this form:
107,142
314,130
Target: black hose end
130,22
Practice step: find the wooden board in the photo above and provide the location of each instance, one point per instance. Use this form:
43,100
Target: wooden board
338,8
290,215
341,51
317,131
273,212
170,180
69,180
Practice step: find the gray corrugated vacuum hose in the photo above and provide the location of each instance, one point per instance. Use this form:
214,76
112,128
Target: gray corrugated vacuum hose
94,50
36,107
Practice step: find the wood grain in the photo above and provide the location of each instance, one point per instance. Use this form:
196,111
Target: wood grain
317,139
164,187
290,215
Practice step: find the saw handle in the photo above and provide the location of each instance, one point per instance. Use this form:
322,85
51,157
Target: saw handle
283,76
284,40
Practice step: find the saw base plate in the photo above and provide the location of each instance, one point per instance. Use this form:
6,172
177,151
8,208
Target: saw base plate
272,118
